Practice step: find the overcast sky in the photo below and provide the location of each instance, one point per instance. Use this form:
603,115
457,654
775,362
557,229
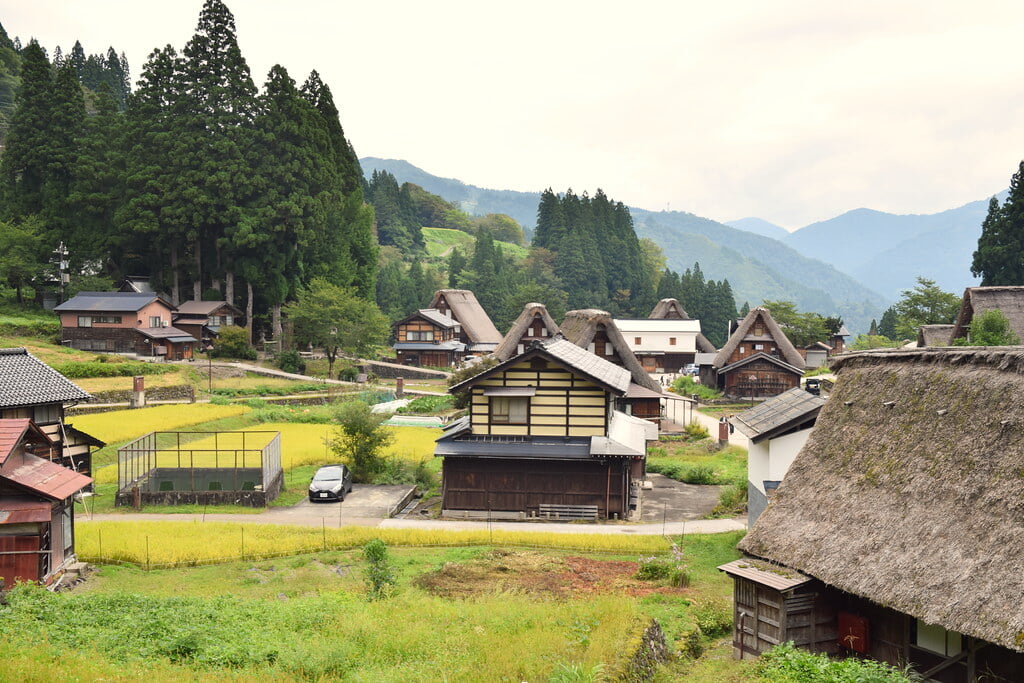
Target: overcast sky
792,111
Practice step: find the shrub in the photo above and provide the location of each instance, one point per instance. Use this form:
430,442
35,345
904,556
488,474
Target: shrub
429,404
104,368
380,577
696,430
233,342
732,501
687,386
362,440
291,361
348,374
699,474
788,664
673,569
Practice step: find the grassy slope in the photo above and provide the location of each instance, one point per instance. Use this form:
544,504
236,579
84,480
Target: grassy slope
439,242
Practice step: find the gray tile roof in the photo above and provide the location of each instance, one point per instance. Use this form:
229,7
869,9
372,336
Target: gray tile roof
108,301
788,409
589,364
25,381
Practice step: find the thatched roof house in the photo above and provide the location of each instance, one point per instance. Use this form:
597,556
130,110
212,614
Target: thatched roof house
597,332
533,323
909,495
758,359
671,309
934,335
478,332
1008,300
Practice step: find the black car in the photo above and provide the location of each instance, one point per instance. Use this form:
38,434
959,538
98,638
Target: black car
331,482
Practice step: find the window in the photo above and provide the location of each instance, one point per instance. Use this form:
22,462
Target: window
637,341
46,414
156,321
759,347
936,639
85,321
743,349
608,349
511,410
671,341
420,335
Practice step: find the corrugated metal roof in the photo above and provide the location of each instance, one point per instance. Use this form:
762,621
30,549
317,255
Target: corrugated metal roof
541,448
25,380
98,302
170,333
43,477
789,408
19,511
771,575
200,308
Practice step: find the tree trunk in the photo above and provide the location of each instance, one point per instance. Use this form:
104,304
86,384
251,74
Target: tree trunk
229,287
175,292
197,285
248,308
276,327
215,283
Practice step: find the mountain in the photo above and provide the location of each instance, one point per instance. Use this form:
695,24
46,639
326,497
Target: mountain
888,251
758,268
759,226
472,199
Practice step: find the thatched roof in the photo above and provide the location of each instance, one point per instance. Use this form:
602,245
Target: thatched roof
464,307
787,351
669,308
1009,300
909,489
509,346
580,327
934,335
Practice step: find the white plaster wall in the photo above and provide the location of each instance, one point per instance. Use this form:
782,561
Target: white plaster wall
758,464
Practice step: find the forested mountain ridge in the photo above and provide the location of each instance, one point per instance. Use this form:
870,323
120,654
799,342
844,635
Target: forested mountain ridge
758,268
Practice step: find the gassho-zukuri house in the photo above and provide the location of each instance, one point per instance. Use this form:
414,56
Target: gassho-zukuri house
545,437
898,530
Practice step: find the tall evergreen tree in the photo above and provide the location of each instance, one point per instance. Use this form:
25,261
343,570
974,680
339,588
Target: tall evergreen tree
997,259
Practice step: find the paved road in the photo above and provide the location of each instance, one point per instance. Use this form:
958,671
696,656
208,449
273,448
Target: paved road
735,439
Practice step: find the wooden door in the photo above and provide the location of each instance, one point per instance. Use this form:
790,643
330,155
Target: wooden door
20,567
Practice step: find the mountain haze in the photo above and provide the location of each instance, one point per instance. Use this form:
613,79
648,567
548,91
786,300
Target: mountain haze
759,226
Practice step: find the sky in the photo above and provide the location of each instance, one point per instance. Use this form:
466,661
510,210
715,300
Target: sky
793,111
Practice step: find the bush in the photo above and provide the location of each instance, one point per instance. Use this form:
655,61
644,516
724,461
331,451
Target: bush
701,475
291,361
380,577
429,404
233,342
362,440
687,386
696,430
788,664
103,368
348,374
732,501
673,569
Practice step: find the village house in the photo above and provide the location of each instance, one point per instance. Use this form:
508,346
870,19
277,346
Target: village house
758,360
533,324
816,354
30,389
428,337
546,437
777,429
675,360
598,333
897,532
37,533
838,341
1008,300
124,322
477,332
203,319
934,335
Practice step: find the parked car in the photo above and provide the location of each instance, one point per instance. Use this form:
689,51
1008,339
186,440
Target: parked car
691,369
331,482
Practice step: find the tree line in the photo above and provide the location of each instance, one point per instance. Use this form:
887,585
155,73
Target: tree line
204,183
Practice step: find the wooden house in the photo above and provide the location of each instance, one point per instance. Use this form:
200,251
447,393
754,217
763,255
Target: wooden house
777,429
598,333
30,389
123,322
904,513
671,309
838,340
477,332
203,319
139,284
662,345
533,324
428,337
1009,300
37,532
545,437
816,354
758,360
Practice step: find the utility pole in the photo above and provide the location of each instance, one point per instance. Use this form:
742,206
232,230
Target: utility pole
60,259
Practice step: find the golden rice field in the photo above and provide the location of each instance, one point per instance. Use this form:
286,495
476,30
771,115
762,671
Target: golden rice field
182,544
124,425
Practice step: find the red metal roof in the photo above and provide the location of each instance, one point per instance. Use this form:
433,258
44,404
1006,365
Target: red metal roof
43,477
19,511
12,432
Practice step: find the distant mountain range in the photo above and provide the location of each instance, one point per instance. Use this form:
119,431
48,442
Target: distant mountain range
853,265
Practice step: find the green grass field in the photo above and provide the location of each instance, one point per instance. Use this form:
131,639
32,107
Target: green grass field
440,241
495,611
